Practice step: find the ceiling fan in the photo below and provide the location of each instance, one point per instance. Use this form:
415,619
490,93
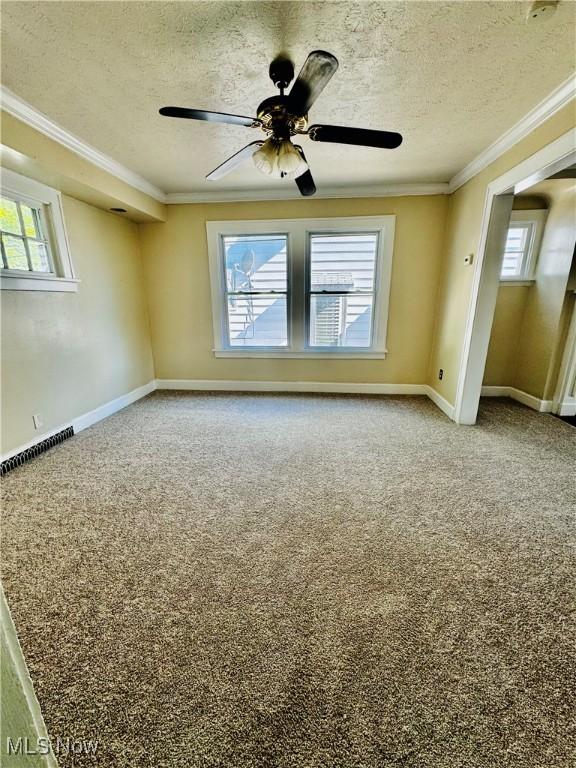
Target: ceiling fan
284,116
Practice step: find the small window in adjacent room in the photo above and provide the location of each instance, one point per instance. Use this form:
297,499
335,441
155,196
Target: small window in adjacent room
34,248
301,287
522,246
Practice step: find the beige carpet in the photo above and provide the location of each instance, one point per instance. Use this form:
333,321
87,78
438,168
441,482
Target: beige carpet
301,582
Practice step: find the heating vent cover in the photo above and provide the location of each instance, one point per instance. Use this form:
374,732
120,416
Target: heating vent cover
35,450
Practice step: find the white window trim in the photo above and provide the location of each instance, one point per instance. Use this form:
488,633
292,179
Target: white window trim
537,218
298,231
63,278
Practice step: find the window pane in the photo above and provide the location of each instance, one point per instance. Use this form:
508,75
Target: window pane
341,321
257,321
30,219
9,220
256,262
15,252
343,262
39,256
517,242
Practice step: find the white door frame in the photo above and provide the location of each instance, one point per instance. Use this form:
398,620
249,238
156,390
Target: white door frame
564,402
552,158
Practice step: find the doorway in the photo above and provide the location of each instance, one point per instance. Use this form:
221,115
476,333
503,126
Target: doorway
556,158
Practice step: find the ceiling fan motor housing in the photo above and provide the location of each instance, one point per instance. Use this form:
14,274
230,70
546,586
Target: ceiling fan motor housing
277,119
281,72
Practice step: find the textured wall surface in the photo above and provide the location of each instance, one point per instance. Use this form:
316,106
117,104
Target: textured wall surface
64,354
451,76
178,285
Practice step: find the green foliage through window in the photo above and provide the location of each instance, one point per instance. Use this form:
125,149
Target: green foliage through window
24,245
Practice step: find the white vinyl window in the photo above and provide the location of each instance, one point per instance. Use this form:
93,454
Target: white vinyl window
522,246
34,249
301,287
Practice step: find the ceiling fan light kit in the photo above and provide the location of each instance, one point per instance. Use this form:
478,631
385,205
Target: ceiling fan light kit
279,158
284,116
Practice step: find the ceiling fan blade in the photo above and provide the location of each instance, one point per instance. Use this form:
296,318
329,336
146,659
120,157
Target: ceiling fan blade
311,81
233,162
361,136
305,182
211,117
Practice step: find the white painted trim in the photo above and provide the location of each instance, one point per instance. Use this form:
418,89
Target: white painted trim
485,281
87,419
226,385
542,406
313,354
29,115
291,193
440,401
17,663
14,105
49,201
564,403
559,97
10,281
297,231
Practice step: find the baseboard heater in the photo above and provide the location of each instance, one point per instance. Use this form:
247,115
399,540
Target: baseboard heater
35,450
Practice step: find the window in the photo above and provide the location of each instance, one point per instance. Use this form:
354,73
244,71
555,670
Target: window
23,237
522,245
301,287
256,290
34,249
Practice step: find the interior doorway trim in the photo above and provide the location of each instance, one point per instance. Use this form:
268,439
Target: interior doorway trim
564,403
497,205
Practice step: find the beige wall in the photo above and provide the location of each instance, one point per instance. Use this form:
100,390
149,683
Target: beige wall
178,290
503,349
539,337
462,237
64,354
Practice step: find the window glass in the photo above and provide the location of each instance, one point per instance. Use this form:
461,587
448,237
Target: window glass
342,284
257,289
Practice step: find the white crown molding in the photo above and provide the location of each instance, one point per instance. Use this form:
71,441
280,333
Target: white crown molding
290,193
25,112
545,109
20,109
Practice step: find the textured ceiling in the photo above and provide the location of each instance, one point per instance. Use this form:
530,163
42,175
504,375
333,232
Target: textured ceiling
450,76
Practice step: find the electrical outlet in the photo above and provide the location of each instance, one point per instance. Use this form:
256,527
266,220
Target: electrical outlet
469,259
37,419
441,374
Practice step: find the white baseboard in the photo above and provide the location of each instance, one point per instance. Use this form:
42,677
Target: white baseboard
542,406
87,419
567,409
107,409
291,386
440,401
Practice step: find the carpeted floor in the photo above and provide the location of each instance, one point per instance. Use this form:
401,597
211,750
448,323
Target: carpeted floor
270,581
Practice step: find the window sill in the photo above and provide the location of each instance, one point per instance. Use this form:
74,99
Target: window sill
517,283
312,354
23,282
